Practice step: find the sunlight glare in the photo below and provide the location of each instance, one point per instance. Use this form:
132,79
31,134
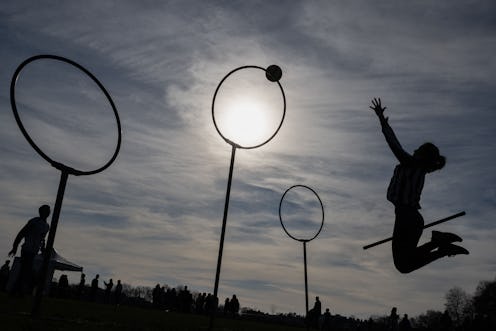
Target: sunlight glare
246,122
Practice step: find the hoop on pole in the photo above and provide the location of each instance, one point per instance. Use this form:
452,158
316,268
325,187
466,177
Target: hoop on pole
65,170
272,73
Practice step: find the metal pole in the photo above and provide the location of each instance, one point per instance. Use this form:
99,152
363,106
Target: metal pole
222,235
306,284
425,227
49,245
306,278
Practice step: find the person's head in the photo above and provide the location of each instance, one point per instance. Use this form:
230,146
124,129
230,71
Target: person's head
97,276
428,155
44,211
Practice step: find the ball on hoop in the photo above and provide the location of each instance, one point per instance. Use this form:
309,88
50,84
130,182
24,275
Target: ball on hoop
273,73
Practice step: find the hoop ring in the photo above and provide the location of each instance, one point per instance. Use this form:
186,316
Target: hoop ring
55,164
282,223
213,109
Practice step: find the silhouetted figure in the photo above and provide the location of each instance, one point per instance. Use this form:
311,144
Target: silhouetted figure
227,306
118,292
82,283
185,299
393,320
156,296
94,288
33,233
405,324
208,304
200,301
234,305
63,286
108,290
4,275
404,192
314,313
326,320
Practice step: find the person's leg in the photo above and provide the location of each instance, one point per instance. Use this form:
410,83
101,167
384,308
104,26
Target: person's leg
406,234
25,273
407,231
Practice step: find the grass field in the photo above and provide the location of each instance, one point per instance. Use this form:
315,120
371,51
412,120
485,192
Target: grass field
58,314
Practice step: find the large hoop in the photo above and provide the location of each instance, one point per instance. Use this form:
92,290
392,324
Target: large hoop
55,164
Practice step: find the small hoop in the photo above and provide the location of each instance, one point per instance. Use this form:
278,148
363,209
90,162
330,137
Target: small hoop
282,223
55,164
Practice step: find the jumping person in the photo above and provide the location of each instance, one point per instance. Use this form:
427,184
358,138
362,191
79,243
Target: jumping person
404,192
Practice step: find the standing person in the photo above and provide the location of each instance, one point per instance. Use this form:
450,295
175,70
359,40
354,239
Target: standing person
404,192
118,292
82,282
108,290
234,305
4,275
405,324
326,320
94,288
33,233
393,320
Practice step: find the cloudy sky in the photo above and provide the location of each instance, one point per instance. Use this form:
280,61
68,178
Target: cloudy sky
154,216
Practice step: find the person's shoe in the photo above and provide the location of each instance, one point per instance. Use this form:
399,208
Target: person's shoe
451,249
442,238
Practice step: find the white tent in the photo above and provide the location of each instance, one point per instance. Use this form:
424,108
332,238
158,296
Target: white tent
57,262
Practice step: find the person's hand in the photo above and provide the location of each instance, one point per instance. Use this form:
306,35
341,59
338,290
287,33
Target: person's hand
13,252
377,107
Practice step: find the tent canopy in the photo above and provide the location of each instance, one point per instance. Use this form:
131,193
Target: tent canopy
58,262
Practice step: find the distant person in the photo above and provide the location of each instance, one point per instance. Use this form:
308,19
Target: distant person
227,306
118,292
393,320
63,286
4,275
315,312
33,233
405,324
108,290
94,288
81,285
234,305
326,320
404,192
156,296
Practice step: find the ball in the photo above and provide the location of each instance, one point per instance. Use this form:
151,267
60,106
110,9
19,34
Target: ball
273,73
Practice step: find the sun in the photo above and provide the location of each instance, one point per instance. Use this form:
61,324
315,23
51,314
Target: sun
245,122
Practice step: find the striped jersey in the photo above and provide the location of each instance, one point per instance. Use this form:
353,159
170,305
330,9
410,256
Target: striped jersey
408,178
406,185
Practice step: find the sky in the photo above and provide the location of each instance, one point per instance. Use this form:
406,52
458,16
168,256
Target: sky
155,215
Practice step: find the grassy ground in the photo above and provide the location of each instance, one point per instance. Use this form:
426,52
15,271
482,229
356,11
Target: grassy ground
58,314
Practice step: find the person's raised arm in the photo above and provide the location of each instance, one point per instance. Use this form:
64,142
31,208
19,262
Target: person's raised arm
388,132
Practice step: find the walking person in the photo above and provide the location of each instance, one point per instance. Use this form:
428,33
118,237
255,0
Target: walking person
33,233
